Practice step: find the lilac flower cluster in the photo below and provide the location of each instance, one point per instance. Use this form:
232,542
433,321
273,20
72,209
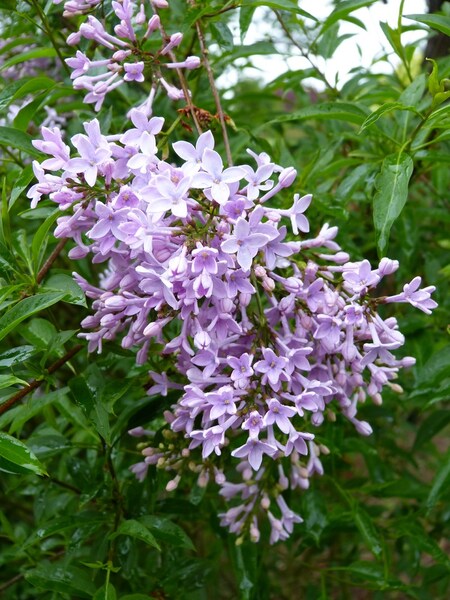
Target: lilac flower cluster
266,336
129,58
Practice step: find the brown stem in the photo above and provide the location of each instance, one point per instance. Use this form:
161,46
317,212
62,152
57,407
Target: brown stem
212,83
20,576
50,260
63,484
37,382
183,82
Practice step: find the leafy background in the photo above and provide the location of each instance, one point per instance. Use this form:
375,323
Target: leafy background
74,522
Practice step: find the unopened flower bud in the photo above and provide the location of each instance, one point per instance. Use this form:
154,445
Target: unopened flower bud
303,472
153,24
268,284
387,266
362,427
260,271
324,449
395,387
226,305
202,340
173,484
203,479
287,177
265,502
377,399
244,299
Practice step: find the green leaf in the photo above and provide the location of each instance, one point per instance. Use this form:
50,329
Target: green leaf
440,483
393,36
7,381
106,592
288,5
21,184
7,94
65,283
245,18
391,195
87,399
340,111
434,85
222,35
437,368
33,85
30,55
424,541
15,457
16,355
167,531
439,22
315,515
369,570
65,580
39,332
382,110
342,10
40,239
26,308
136,530
14,138
368,530
356,177
432,425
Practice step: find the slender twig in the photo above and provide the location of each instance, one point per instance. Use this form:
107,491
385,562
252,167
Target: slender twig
183,82
48,31
14,158
50,260
11,582
63,484
302,52
20,576
221,11
215,92
37,382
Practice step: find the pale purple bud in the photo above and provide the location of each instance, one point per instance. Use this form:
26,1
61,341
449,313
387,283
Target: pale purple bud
140,17
121,55
74,38
260,271
362,427
153,25
245,299
265,502
138,432
226,305
407,361
268,284
387,266
287,177
202,340
173,484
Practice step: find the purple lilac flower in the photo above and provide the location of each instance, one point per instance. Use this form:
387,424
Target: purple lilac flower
273,336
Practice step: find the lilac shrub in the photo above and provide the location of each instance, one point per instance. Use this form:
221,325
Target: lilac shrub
267,330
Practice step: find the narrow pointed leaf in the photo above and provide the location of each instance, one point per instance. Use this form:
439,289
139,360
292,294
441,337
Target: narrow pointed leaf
15,457
391,195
